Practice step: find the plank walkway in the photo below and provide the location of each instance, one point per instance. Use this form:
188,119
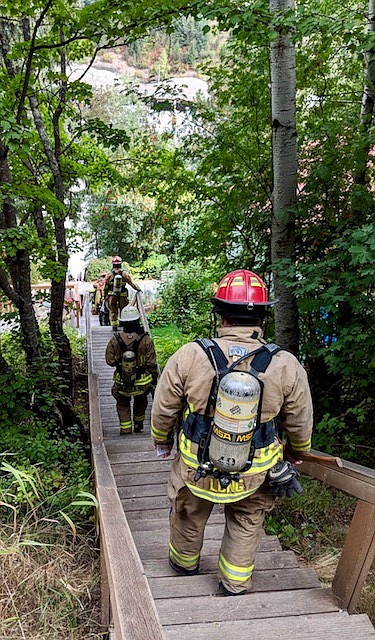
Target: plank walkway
287,600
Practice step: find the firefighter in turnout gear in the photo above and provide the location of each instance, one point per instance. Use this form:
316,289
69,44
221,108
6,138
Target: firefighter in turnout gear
116,292
236,394
98,303
132,352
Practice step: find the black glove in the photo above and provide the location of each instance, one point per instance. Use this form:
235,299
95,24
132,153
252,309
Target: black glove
282,479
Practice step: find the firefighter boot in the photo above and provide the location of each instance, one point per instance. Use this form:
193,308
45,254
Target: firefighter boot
138,427
182,571
225,592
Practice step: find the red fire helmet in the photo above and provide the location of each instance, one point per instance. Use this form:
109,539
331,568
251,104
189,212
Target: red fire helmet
244,288
116,260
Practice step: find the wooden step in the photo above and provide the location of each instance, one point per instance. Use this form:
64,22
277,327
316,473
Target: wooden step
252,606
320,626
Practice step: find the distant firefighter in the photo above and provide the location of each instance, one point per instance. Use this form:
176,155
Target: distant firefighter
116,292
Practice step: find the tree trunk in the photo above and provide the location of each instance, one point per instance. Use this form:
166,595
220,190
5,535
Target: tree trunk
284,193
367,106
19,291
53,154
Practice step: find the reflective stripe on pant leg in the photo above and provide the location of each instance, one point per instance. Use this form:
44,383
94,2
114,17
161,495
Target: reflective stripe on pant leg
139,407
126,427
187,562
123,407
188,518
243,527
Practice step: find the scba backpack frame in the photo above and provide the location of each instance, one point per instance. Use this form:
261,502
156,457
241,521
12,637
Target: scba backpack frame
229,438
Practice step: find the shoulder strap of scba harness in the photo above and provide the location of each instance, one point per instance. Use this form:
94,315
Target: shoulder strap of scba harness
264,434
133,346
262,356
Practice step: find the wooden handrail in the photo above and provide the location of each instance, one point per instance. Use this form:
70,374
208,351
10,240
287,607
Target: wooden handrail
71,291
125,591
359,548
138,302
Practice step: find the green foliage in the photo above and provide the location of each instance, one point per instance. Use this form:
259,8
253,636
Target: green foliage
180,47
167,340
95,266
31,407
335,297
185,300
151,268
31,437
301,523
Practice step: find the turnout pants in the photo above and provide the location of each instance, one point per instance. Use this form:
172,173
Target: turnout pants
124,408
243,527
116,303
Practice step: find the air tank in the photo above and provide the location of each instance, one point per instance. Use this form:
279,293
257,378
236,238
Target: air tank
234,420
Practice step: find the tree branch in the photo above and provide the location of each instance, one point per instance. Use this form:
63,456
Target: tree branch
26,33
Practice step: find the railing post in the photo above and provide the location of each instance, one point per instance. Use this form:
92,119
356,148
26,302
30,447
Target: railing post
357,556
77,312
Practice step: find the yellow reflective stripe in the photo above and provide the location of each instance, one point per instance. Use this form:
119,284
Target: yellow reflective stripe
234,572
160,435
142,381
187,562
139,418
188,457
223,498
126,426
266,459
223,283
300,446
131,394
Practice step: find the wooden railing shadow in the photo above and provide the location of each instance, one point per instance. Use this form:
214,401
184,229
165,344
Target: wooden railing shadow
126,599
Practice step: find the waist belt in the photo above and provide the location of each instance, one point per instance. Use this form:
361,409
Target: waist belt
195,427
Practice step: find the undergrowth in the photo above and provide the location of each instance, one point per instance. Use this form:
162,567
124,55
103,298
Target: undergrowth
49,562
167,339
314,525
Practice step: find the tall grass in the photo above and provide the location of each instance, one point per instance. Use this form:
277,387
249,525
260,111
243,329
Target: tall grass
49,574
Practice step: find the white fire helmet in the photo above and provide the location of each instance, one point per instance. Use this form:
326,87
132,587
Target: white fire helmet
129,314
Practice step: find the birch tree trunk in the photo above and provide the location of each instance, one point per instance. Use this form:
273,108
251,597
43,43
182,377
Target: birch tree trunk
368,99
284,159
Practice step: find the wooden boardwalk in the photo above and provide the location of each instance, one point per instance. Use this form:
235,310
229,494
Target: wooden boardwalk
287,600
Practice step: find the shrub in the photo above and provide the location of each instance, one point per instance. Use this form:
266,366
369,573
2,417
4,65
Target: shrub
185,301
